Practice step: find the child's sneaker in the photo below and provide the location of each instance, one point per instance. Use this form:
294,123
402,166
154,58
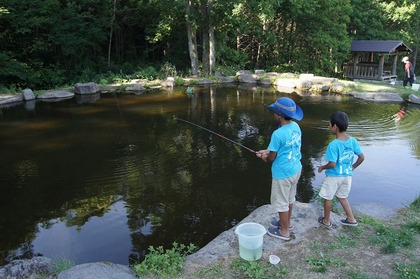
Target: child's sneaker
276,224
275,233
346,222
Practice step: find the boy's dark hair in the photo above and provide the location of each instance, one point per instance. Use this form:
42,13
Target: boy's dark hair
340,119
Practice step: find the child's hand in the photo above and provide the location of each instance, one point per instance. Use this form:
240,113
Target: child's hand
320,168
262,153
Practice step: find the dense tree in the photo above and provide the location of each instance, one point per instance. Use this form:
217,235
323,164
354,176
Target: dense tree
52,42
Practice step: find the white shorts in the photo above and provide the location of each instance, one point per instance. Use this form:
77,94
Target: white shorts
283,192
338,186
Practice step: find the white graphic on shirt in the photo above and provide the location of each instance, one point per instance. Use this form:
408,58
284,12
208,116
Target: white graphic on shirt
346,161
294,147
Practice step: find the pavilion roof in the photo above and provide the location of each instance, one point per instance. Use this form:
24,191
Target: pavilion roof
373,46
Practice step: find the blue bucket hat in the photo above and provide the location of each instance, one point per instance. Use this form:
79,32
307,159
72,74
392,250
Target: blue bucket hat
286,107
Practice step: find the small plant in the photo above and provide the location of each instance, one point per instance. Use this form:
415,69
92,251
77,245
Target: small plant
60,264
405,271
213,271
179,81
256,270
321,263
164,263
356,274
344,241
392,238
168,70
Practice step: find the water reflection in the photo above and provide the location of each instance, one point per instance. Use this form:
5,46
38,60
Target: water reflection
103,180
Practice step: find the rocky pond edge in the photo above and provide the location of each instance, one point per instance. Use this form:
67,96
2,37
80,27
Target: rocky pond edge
302,84
224,246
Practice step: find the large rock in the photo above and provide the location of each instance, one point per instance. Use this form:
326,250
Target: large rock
379,97
204,81
98,270
28,268
135,87
337,87
223,79
304,84
414,99
86,88
28,94
304,219
323,80
169,82
58,94
285,82
10,99
248,78
264,81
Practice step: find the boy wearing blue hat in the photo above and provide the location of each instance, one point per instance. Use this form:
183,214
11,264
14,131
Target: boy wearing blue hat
339,169
284,153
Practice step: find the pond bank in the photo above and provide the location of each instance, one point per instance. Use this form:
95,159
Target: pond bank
285,82
224,248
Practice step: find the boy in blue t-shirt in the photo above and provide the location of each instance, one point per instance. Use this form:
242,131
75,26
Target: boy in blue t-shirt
284,154
339,169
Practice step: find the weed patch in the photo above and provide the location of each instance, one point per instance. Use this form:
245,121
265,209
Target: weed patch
164,263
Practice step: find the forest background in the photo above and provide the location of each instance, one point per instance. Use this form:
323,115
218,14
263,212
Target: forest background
51,43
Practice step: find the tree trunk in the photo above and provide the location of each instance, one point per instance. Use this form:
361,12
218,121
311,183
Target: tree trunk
111,31
205,38
212,42
192,40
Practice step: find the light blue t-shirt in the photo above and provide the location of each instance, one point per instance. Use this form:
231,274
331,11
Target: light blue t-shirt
342,153
286,141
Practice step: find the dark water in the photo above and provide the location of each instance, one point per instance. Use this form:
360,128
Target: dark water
103,181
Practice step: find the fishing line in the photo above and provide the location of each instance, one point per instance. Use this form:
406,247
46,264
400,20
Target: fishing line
223,137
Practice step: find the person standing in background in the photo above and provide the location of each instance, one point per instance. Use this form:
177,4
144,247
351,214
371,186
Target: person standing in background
408,72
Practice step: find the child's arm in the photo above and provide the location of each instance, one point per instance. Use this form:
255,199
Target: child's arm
329,165
359,160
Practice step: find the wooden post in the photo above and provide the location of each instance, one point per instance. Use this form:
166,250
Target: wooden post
356,60
381,66
394,65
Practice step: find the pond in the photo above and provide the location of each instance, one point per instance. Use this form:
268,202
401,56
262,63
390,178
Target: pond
104,180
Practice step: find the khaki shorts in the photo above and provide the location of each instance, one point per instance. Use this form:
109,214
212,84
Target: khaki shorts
283,192
339,186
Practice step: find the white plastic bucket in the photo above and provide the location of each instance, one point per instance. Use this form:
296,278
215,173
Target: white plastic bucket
415,86
250,237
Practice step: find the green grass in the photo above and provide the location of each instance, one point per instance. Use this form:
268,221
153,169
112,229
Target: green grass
164,263
60,264
324,256
321,263
256,270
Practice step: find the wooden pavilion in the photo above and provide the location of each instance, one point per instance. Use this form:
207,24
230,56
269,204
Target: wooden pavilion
374,60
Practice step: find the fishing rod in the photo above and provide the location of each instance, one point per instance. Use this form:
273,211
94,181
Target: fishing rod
223,137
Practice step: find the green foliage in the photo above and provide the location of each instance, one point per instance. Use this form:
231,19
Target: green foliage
256,269
356,274
212,272
408,271
61,264
415,205
62,42
148,73
391,238
164,263
179,81
168,70
321,263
